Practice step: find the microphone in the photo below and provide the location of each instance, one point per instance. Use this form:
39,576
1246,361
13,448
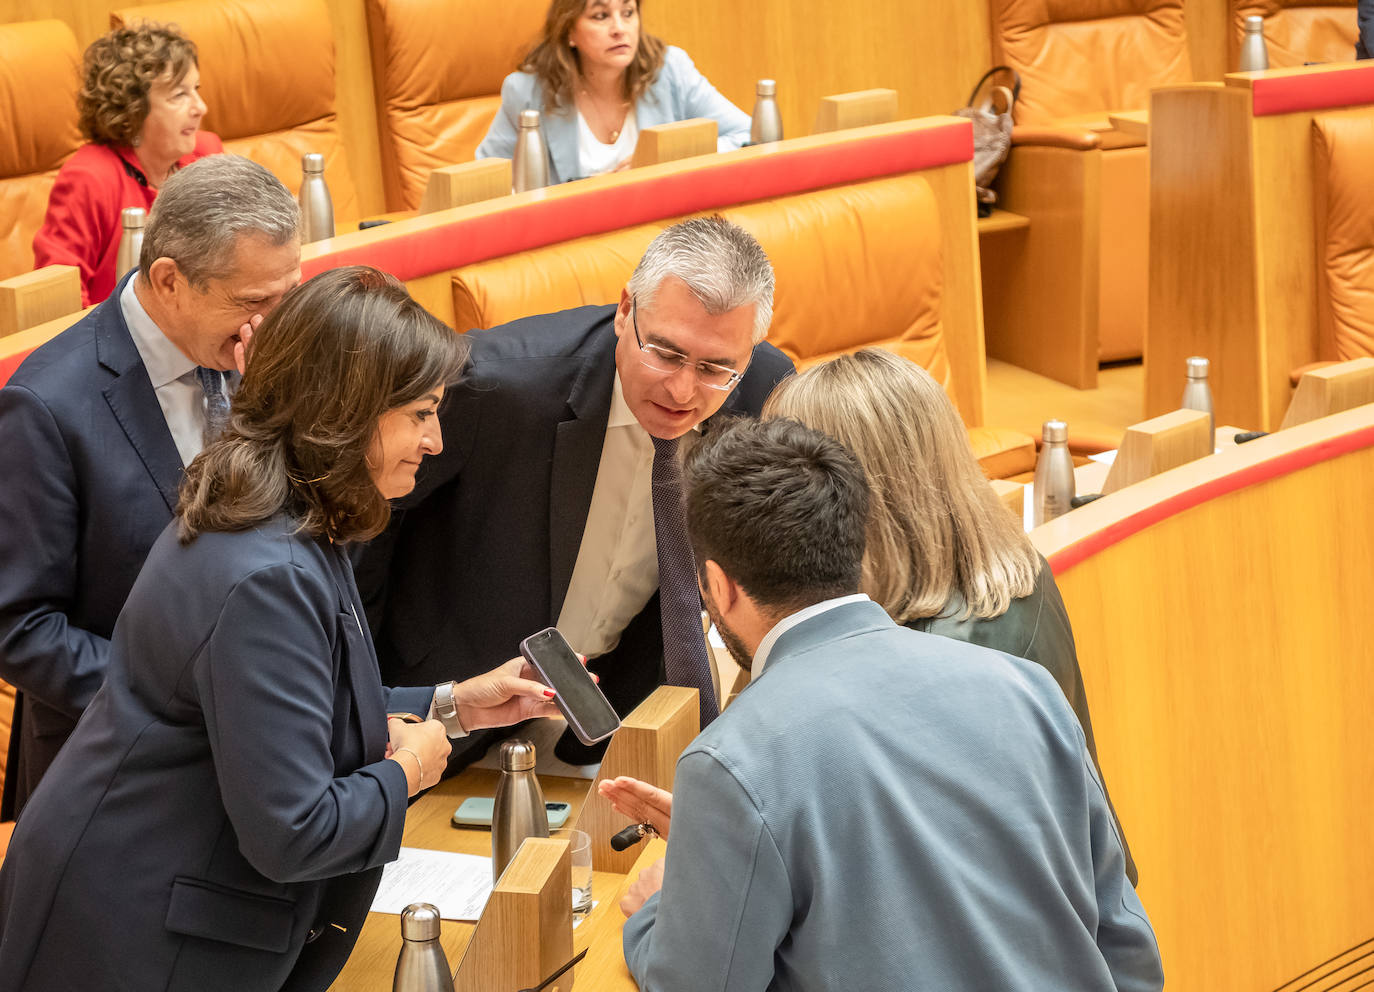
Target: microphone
631,835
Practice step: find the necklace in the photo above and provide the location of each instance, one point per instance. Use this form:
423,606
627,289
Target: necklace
589,103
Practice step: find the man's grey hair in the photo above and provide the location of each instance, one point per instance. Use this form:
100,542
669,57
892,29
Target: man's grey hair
720,262
202,210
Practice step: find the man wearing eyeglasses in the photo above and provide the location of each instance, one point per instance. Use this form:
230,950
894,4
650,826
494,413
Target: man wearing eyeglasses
554,500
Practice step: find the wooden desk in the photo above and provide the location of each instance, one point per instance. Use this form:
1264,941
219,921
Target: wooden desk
373,962
1136,123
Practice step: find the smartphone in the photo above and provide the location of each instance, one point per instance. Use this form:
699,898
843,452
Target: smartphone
579,698
476,812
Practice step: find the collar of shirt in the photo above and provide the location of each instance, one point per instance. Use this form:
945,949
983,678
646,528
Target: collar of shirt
621,414
788,622
163,360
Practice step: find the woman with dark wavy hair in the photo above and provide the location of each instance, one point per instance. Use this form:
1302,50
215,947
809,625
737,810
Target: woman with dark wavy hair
597,81
220,817
141,110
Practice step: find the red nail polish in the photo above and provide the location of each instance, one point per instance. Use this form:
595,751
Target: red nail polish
549,693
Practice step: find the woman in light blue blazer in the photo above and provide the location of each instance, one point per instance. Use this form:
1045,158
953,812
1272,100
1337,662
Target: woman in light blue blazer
220,818
597,82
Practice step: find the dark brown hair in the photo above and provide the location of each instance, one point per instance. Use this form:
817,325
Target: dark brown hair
556,64
117,72
781,508
341,350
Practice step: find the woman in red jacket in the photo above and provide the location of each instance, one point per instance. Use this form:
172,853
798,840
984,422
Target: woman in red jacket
141,109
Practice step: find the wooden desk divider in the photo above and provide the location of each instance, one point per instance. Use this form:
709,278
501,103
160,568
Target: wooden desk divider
525,931
670,142
857,109
1158,445
1012,495
41,295
1332,389
646,747
467,182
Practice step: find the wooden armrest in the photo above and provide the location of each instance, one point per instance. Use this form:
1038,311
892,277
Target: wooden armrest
1076,138
36,297
679,139
1295,376
468,182
858,109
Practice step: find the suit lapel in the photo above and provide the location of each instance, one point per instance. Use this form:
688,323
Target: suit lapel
133,401
576,458
560,136
360,665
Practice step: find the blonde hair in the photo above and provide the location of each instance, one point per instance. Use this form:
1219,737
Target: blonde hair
935,525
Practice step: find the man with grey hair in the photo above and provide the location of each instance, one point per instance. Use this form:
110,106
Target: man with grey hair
104,418
556,499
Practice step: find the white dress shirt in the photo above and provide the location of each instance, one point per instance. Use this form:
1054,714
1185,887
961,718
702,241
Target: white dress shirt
616,571
788,622
172,374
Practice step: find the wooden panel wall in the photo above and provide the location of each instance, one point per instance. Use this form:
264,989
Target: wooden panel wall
1228,669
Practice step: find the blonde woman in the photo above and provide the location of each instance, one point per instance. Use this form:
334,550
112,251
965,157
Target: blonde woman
943,555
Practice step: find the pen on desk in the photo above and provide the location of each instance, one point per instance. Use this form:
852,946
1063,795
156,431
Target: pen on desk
632,835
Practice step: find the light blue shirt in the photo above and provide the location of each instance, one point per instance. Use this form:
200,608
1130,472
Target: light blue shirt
892,811
678,93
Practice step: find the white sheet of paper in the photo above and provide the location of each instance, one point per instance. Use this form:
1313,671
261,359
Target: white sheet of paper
458,884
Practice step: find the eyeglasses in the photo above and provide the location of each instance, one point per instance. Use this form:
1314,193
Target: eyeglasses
668,362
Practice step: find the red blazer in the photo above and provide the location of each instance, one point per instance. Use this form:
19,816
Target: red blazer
82,226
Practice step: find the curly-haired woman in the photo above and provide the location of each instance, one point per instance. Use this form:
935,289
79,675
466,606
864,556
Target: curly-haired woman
141,109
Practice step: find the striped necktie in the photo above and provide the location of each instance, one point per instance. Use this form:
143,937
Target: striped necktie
216,403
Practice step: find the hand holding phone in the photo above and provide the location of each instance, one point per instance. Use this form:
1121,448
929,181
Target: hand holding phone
579,698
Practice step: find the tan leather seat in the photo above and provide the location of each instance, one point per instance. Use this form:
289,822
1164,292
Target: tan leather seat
1298,31
1080,60
7,701
267,76
436,95
1343,154
40,69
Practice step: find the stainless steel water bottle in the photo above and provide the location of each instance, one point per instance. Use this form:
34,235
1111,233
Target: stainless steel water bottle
1054,482
317,209
130,240
530,166
767,122
421,966
1197,394
1254,53
519,809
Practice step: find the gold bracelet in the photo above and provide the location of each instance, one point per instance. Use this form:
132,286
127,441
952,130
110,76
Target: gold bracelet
418,763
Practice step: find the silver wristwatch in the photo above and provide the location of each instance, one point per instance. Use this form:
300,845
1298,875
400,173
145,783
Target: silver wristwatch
446,709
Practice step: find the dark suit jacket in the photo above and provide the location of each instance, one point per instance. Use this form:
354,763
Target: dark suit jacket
225,794
91,477
480,555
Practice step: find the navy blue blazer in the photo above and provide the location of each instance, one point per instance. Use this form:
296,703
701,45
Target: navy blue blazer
480,555
226,796
91,477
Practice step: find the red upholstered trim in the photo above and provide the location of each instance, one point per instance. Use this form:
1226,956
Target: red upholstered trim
1292,461
11,362
1312,91
729,179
